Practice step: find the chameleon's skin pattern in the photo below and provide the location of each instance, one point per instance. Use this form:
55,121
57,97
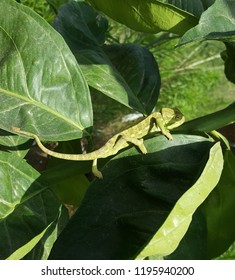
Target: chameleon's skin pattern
164,120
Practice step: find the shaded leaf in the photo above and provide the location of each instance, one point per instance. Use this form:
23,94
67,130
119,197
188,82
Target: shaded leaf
229,61
140,71
216,23
167,238
42,250
229,254
27,205
219,209
193,7
147,16
121,213
25,249
84,31
56,3
13,143
42,88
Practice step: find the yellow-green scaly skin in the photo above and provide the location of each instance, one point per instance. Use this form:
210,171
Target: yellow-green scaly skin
164,120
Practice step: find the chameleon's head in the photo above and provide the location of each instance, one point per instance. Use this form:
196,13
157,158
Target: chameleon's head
172,117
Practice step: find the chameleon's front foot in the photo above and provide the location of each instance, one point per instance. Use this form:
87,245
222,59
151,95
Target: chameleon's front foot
167,134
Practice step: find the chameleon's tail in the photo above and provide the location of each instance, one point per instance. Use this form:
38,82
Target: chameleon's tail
90,156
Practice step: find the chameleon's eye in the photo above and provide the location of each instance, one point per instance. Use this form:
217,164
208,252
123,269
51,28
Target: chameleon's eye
177,117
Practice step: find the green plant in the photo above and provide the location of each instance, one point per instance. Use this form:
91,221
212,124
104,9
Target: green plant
175,202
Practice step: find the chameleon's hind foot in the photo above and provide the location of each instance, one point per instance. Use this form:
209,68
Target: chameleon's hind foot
95,170
142,147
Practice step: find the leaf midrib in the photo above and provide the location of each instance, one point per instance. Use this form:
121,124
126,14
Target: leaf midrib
41,106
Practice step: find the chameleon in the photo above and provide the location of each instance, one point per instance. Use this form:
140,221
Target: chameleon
163,120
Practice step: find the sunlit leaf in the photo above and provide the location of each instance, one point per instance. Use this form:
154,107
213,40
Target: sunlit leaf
216,23
147,16
167,238
42,89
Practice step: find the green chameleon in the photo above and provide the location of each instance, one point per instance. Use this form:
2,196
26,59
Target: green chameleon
165,119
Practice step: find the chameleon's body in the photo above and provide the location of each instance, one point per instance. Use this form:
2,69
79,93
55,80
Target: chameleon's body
162,121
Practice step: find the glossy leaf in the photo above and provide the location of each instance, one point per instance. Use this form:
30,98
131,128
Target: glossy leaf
122,212
27,205
167,238
216,23
147,16
42,89
133,81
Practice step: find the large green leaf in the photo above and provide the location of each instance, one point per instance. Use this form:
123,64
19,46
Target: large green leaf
13,143
168,237
147,16
27,205
140,71
216,23
122,212
42,89
126,73
219,210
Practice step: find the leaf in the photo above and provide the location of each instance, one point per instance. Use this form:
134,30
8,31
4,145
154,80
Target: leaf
140,71
122,212
211,121
229,254
84,31
219,209
229,61
56,3
216,23
167,238
42,89
194,243
50,233
25,249
147,16
27,205
102,76
193,7
13,143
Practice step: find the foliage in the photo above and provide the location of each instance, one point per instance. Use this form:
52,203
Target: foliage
143,207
